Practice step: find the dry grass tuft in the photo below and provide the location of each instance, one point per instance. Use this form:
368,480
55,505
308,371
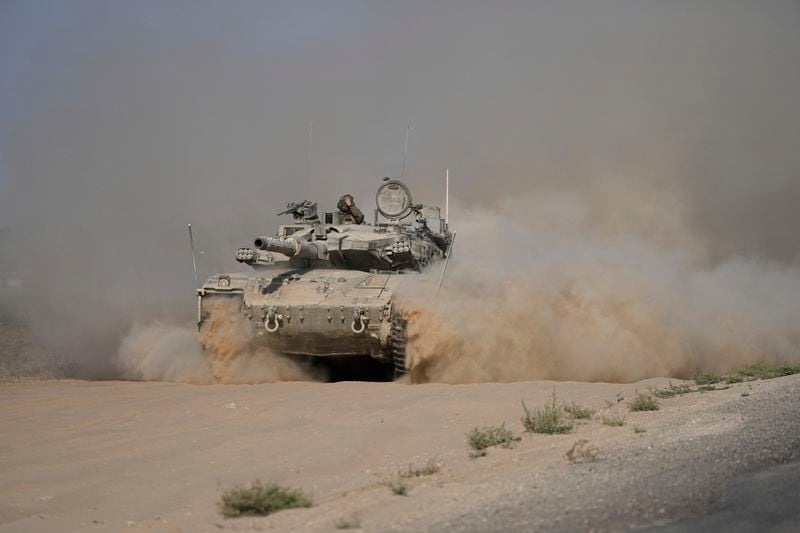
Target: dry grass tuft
583,452
480,439
578,412
261,500
549,420
398,487
428,469
643,402
613,420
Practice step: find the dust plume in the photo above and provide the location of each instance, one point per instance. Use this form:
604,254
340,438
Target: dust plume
632,167
538,292
224,352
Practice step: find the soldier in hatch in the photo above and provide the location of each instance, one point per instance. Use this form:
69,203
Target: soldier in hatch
350,213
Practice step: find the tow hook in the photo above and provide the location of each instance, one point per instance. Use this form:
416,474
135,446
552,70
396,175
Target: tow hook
359,321
274,318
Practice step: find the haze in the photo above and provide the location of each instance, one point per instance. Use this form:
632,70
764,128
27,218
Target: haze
673,124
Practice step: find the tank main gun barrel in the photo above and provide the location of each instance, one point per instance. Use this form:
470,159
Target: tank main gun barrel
292,247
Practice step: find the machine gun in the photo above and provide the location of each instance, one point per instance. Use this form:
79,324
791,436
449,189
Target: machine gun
304,211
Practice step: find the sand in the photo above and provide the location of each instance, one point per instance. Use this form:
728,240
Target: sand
105,456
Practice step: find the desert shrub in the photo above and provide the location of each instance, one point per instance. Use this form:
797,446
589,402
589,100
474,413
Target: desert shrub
763,371
707,378
578,412
582,452
549,420
398,487
643,402
613,420
261,500
672,390
479,439
428,469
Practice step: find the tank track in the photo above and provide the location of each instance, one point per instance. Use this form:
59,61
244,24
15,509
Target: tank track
398,345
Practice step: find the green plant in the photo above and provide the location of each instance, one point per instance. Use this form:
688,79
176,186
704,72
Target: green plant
707,378
261,500
578,412
708,388
763,371
643,402
398,487
613,420
582,452
429,468
479,439
672,390
549,420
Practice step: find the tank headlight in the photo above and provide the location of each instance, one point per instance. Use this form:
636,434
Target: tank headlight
224,283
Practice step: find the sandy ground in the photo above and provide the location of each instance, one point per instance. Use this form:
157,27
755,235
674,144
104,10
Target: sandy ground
107,456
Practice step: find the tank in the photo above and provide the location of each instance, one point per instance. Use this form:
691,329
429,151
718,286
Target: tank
325,287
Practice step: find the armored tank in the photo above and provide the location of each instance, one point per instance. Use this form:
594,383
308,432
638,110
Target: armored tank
324,287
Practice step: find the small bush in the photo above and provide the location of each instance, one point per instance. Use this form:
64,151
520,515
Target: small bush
708,388
261,500
637,429
763,371
643,402
428,469
582,452
398,487
707,378
578,412
479,439
549,420
613,420
672,390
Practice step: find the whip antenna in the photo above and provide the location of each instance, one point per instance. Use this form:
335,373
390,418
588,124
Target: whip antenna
446,260
405,151
446,198
194,262
308,158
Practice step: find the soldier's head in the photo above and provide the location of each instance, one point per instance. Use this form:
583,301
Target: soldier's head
345,202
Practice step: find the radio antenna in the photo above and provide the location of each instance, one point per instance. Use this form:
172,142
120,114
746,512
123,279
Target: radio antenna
405,151
194,262
446,198
308,158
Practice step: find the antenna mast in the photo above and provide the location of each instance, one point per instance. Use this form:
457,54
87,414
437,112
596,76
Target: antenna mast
405,151
308,158
447,198
194,263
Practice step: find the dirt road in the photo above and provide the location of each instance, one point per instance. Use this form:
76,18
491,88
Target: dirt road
107,456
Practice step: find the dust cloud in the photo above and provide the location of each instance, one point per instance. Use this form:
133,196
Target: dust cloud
543,288
627,173
225,351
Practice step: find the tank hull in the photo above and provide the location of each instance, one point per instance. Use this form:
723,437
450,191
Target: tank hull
319,312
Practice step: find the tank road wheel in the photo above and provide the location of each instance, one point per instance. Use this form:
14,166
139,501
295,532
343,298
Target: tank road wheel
397,344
